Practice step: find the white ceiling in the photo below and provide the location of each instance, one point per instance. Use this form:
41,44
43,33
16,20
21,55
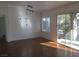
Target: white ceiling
44,5
41,5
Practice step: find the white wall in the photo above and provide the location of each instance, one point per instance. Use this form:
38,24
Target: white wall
20,25
70,8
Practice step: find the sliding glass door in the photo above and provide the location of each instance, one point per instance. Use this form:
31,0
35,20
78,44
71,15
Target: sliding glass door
75,40
63,28
68,30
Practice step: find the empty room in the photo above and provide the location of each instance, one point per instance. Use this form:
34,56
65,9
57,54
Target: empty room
39,29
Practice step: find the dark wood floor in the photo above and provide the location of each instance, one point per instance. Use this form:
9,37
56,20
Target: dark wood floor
39,47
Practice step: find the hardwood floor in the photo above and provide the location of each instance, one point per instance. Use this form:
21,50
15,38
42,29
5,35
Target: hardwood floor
39,47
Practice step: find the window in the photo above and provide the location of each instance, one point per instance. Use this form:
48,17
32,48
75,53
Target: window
46,24
68,30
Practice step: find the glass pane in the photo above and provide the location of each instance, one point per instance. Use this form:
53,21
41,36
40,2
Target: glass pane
64,29
43,24
60,27
68,29
46,24
75,40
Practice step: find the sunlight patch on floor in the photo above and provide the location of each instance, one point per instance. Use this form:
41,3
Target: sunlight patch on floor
58,46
